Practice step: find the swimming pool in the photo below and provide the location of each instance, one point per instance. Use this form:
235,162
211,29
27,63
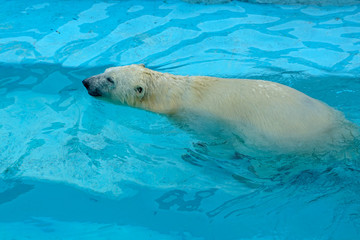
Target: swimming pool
73,167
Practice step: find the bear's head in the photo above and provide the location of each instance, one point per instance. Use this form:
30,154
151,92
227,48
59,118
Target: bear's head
125,85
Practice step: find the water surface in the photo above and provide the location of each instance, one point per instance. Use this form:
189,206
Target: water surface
73,167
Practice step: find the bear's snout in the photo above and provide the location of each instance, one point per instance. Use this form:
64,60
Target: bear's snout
86,83
90,86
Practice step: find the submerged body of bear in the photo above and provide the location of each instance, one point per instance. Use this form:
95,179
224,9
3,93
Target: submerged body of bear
264,115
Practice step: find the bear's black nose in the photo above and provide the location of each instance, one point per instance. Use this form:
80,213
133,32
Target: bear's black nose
86,83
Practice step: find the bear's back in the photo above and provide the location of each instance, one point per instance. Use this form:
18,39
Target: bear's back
265,111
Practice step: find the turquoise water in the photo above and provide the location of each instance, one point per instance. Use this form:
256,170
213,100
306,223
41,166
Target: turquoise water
73,167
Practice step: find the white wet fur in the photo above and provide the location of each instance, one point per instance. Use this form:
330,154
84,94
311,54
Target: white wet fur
266,116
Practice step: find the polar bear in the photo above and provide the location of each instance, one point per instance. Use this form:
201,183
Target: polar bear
264,115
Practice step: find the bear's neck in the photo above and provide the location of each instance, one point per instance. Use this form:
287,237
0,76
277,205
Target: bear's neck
166,93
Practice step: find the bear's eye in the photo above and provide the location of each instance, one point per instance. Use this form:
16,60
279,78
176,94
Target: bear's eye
109,80
139,89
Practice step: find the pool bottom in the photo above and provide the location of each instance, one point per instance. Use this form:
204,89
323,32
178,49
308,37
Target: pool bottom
50,210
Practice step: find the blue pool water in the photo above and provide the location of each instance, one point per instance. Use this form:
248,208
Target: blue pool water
73,167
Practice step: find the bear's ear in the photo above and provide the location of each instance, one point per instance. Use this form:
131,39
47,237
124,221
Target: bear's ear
140,91
141,65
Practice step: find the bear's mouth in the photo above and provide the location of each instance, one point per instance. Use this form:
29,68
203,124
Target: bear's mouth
94,93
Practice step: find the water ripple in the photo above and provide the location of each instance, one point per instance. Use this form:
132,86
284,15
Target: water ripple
51,130
160,34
